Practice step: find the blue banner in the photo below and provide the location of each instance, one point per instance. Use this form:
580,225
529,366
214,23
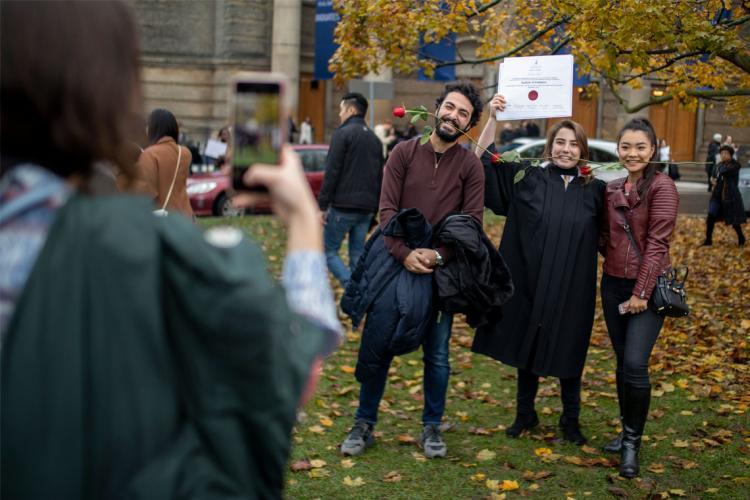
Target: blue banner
326,20
444,50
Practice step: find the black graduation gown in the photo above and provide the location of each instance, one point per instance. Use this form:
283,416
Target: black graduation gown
550,245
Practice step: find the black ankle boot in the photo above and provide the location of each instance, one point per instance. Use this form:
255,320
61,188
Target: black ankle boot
523,422
572,430
637,400
615,446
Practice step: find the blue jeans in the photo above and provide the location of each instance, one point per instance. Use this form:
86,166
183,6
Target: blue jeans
339,223
436,372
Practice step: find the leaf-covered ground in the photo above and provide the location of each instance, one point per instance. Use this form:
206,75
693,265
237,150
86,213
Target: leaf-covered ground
697,442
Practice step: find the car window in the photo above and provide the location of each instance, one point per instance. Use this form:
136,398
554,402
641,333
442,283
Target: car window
313,160
599,155
533,151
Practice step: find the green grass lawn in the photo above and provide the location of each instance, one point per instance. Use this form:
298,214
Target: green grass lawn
697,442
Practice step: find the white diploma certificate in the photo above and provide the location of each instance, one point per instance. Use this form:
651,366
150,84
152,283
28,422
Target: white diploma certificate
215,148
536,87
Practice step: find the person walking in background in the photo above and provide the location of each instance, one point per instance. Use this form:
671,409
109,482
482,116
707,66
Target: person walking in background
532,129
550,243
726,200
729,142
640,219
291,129
508,134
164,166
351,185
712,158
306,132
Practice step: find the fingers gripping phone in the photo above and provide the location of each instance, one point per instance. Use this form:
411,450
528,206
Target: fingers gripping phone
259,116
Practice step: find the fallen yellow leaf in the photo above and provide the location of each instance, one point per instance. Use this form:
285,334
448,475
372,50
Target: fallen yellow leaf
509,485
485,455
348,481
325,421
392,477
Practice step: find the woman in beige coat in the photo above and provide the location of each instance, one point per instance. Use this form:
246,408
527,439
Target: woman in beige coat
157,172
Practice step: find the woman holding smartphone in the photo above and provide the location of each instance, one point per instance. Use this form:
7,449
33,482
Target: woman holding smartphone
550,245
141,357
645,205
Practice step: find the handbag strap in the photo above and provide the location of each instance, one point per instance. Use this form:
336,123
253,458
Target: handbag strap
637,249
174,178
626,227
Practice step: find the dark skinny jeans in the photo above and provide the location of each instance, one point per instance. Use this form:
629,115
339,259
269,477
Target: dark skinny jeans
633,335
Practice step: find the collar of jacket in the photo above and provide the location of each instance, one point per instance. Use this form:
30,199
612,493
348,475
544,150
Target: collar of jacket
164,139
354,119
451,150
616,192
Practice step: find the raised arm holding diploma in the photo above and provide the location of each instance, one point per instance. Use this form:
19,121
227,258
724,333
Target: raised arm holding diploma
536,87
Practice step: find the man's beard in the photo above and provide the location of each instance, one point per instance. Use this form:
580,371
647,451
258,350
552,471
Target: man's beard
445,136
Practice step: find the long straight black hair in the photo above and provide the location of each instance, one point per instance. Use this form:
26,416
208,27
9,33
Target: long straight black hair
162,123
643,125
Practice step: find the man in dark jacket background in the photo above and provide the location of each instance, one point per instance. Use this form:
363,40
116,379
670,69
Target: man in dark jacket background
351,186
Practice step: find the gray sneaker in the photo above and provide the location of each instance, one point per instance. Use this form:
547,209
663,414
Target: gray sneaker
432,442
359,439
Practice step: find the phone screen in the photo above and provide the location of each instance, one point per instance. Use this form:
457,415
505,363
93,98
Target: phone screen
257,128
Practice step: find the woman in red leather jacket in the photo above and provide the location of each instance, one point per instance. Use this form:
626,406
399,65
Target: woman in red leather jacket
646,200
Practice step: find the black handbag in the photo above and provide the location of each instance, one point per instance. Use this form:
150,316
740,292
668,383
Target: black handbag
669,297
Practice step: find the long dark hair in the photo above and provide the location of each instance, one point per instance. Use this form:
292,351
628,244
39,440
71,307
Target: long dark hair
162,123
70,85
643,125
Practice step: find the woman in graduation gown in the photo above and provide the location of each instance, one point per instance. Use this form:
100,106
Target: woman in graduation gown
550,243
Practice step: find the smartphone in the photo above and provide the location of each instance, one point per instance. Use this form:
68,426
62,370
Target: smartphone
259,117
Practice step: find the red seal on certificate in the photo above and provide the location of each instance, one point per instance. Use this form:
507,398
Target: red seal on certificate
533,95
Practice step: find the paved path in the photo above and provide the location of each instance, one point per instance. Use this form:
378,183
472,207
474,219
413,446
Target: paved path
693,198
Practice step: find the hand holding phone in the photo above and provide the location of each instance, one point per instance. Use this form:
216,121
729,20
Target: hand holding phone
624,308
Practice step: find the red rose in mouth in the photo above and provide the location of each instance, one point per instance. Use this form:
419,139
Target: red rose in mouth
585,170
399,112
533,95
496,159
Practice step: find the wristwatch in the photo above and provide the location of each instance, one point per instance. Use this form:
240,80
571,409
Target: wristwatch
439,259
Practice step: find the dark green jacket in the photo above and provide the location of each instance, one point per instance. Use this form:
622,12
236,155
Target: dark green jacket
143,362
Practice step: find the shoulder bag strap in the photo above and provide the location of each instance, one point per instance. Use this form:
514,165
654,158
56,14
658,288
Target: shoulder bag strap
626,227
174,178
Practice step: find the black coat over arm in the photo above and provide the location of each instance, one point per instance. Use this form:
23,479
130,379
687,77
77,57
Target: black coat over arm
550,245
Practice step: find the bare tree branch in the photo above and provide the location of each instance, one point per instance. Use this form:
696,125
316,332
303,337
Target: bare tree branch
483,8
702,94
531,39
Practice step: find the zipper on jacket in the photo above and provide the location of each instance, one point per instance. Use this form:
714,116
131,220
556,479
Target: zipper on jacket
627,256
434,170
648,277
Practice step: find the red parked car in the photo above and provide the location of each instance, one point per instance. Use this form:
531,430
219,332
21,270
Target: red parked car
208,193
